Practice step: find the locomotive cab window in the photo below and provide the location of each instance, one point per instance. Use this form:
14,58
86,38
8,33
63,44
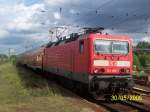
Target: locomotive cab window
120,47
111,46
81,47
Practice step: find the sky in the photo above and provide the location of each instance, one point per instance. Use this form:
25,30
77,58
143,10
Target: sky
25,24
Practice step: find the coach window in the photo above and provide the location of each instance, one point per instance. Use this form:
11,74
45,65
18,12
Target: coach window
81,47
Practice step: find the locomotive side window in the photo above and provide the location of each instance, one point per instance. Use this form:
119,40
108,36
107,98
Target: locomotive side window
81,47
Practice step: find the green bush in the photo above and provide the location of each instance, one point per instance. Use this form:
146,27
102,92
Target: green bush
145,60
13,59
136,62
143,44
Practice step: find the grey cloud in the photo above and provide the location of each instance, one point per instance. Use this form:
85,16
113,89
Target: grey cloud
124,16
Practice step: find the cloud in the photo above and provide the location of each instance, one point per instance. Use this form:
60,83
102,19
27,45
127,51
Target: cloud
23,21
120,15
72,11
57,15
60,2
27,17
3,33
20,23
147,39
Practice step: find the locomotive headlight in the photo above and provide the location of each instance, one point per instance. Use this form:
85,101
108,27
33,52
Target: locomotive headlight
99,70
127,70
96,70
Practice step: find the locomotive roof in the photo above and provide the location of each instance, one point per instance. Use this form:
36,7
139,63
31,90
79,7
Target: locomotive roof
91,35
108,36
74,37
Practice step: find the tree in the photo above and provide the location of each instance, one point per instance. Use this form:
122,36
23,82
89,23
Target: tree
3,57
145,60
136,62
13,59
143,44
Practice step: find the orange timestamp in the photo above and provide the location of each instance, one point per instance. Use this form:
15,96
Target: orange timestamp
126,98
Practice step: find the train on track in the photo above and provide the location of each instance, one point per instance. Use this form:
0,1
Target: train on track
101,62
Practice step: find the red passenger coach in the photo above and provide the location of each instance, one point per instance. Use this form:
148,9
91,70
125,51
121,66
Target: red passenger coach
32,58
102,62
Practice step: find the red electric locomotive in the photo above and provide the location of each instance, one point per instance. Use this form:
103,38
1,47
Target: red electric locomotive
102,62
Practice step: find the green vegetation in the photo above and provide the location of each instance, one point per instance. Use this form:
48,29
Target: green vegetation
3,58
142,60
143,44
136,62
145,60
22,90
18,84
13,59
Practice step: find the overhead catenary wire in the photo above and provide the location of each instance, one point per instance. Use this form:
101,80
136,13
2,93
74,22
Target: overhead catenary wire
99,12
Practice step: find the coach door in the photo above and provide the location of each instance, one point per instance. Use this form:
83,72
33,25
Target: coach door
80,56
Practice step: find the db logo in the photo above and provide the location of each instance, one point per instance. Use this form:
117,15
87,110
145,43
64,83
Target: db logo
112,63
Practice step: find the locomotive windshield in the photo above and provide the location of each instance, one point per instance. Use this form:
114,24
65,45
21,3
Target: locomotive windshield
111,46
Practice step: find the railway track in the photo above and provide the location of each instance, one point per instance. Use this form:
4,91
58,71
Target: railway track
113,106
141,91
121,106
124,106
137,105
142,82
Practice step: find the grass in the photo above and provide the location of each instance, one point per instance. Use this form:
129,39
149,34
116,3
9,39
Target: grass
22,90
19,84
11,89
